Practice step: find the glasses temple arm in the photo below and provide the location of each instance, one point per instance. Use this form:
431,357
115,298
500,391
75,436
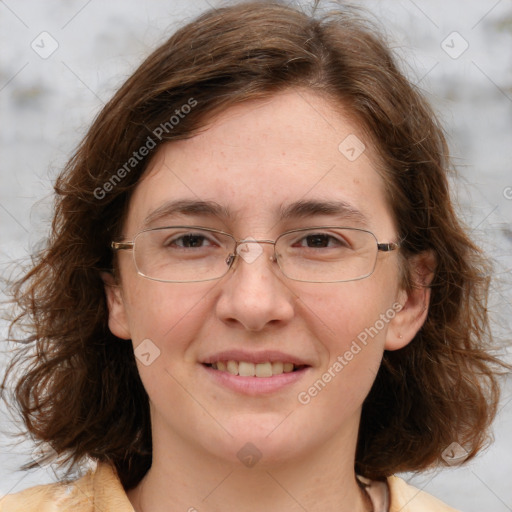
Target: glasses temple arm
392,246
120,246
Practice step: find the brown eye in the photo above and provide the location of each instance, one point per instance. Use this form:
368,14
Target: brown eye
320,241
189,241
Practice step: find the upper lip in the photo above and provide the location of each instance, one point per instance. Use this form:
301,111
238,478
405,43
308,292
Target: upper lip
254,357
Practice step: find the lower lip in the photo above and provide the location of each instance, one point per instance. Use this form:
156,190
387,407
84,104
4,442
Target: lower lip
255,385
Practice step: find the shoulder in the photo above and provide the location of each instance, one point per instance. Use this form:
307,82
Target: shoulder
50,498
97,490
406,498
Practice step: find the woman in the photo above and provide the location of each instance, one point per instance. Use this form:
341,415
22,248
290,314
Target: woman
257,295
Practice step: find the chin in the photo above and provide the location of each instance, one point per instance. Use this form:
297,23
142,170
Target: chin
262,439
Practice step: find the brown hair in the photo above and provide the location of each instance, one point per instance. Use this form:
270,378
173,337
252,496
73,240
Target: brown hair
81,391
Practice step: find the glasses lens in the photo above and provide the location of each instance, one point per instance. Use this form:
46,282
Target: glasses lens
326,255
182,254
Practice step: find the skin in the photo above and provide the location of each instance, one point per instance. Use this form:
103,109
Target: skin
253,159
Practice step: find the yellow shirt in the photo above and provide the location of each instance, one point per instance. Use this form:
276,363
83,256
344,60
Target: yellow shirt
101,491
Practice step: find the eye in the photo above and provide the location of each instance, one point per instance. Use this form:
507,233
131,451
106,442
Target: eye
188,241
320,241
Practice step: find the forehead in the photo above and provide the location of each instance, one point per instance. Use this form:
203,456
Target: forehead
256,159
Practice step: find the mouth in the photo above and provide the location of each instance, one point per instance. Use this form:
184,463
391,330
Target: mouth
260,370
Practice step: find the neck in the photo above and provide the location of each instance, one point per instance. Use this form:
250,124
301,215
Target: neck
188,479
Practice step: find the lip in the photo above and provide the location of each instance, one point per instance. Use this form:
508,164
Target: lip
255,386
255,357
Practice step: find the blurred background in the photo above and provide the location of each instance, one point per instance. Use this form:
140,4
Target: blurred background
61,60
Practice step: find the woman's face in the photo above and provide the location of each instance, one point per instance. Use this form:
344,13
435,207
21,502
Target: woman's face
254,161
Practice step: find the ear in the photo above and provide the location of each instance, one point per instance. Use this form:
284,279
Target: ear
117,318
409,320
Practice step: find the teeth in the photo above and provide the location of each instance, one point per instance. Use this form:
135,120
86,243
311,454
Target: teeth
246,369
263,370
277,368
287,367
232,367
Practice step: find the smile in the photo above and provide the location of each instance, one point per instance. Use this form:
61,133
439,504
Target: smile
247,369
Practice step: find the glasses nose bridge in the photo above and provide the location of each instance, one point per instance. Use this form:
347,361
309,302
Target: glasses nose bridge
254,241
236,254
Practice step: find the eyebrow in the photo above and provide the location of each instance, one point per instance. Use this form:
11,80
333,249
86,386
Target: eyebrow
340,209
297,210
187,207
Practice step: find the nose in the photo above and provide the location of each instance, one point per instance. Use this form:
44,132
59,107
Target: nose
254,293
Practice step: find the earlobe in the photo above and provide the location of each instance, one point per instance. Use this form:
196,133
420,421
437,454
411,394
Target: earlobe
117,319
411,317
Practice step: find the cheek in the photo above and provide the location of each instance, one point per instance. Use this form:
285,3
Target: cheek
168,314
346,310
350,322
351,337
165,319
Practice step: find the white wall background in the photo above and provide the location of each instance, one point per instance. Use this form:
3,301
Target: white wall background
46,105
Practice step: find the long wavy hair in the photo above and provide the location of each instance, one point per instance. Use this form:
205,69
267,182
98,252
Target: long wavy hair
80,390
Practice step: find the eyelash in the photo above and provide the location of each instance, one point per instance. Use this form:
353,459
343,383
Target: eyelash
325,236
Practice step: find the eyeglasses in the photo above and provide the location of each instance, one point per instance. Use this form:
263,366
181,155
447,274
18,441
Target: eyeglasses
188,254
